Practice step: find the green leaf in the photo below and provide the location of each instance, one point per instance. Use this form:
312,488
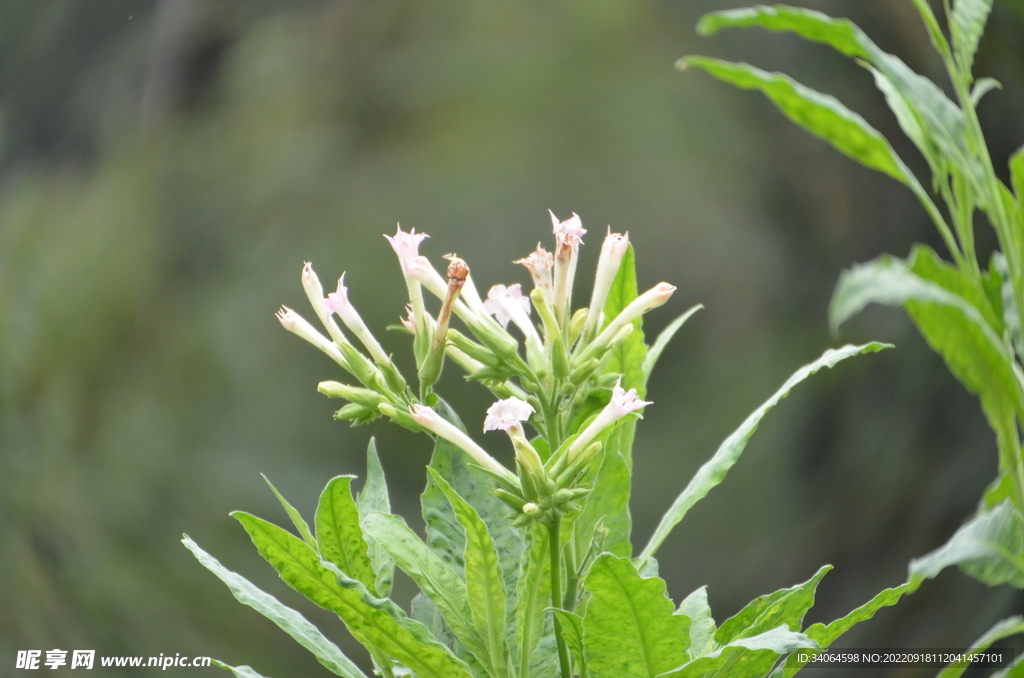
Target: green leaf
534,627
955,318
744,657
572,633
608,501
440,582
825,635
297,520
713,471
840,34
967,24
485,583
239,671
820,114
374,497
785,606
287,619
1010,626
702,624
1017,173
371,620
629,629
982,87
338,534
989,548
628,359
654,352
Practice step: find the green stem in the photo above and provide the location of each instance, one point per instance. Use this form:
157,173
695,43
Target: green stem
555,529
572,577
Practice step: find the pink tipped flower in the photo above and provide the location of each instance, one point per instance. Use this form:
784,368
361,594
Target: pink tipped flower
540,263
407,322
569,232
337,302
622,403
506,414
568,238
406,245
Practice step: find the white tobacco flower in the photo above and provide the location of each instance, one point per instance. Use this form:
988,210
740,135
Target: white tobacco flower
506,414
508,303
569,232
436,424
622,403
568,238
299,326
337,302
612,251
540,263
406,245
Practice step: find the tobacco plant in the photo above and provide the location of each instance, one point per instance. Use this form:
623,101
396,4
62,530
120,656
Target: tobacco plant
526,572
968,311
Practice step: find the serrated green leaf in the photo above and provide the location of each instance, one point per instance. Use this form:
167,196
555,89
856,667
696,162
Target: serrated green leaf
296,518
656,349
702,624
239,671
374,497
1010,626
438,580
841,34
572,633
825,635
820,114
785,606
371,620
339,536
485,583
713,471
287,619
967,24
989,547
751,657
630,629
532,617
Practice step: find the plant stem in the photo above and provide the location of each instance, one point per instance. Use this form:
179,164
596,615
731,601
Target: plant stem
555,529
572,578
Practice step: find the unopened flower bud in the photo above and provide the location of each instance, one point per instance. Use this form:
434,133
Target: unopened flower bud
361,396
438,425
612,251
531,509
297,325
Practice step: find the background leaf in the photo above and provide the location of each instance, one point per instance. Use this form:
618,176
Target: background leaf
664,337
374,497
239,671
1010,626
297,520
969,18
702,624
785,606
751,657
841,34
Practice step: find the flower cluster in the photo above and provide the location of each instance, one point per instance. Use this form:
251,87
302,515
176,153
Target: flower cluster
550,377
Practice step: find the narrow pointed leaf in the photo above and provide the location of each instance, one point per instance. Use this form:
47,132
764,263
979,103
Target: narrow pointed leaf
485,584
296,518
630,629
656,349
371,620
785,606
744,657
374,497
533,619
969,18
713,471
702,624
239,671
840,34
982,87
1017,173
1010,626
287,619
338,534
572,632
820,114
989,547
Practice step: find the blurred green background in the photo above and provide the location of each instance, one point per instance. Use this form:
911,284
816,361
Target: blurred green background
166,167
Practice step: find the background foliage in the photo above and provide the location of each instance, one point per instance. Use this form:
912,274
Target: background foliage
165,167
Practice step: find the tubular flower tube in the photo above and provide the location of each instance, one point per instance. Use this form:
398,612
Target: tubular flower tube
652,298
433,422
540,263
315,294
568,238
622,403
299,326
337,302
406,246
612,251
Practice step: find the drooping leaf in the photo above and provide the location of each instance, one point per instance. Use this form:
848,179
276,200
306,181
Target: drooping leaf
339,536
287,619
820,114
630,629
654,352
713,471
572,632
371,620
841,34
826,634
785,606
297,520
989,548
374,497
438,580
239,671
1010,626
533,619
702,624
751,657
485,584
968,23
982,87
